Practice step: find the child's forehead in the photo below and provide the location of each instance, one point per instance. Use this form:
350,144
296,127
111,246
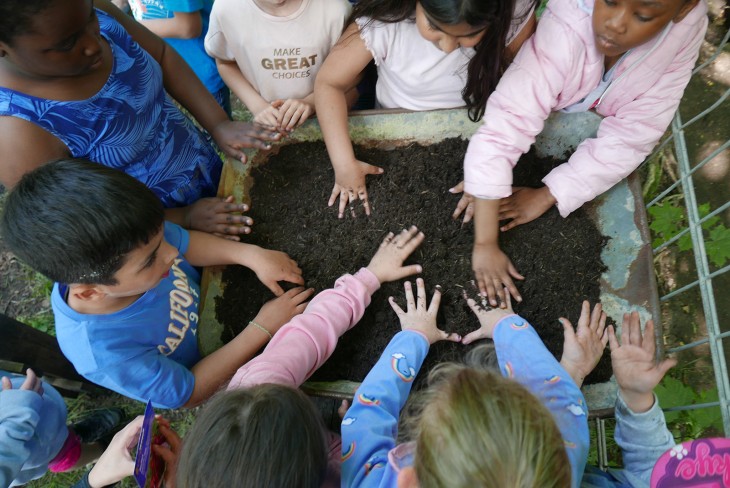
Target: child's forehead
58,20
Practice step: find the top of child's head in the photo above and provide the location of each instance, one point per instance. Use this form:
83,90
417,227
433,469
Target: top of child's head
475,428
621,25
79,222
265,435
50,38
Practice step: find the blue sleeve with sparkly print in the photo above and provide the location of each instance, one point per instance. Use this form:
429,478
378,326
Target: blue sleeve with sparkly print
370,426
523,357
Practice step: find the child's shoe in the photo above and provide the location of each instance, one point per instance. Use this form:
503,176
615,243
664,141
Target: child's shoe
99,425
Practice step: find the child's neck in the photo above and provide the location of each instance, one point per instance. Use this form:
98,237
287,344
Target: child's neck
283,10
99,306
610,61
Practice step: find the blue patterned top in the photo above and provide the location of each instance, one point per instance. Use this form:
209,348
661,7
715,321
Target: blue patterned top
131,125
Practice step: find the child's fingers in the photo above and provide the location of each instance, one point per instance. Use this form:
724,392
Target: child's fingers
7,385
666,365
568,330
275,288
474,336
343,408
507,299
414,239
469,213
449,336
362,194
601,324
344,199
435,300
410,301
604,338
406,271
303,296
648,344
333,196
585,315
421,294
460,207
596,316
635,329
612,341
396,308
30,382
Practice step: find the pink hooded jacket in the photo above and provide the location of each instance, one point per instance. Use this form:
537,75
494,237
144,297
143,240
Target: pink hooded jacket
557,67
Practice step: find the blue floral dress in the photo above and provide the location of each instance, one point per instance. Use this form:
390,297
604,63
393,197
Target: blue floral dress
131,125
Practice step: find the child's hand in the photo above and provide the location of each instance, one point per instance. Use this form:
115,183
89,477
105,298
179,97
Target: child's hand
274,266
292,113
268,117
32,383
387,263
634,366
524,205
219,216
488,316
466,204
420,318
350,185
493,271
116,462
231,137
169,452
279,311
583,348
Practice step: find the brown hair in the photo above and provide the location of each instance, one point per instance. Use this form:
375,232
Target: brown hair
476,428
266,435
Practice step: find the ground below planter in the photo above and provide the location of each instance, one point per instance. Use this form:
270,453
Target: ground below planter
560,258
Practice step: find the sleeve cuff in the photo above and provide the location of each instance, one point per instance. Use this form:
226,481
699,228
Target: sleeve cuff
367,278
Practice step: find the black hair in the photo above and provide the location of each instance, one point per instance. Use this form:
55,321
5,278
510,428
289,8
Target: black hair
265,435
76,221
16,17
489,60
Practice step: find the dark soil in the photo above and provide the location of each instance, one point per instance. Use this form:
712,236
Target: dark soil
560,258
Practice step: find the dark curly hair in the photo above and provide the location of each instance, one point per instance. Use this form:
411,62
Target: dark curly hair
16,16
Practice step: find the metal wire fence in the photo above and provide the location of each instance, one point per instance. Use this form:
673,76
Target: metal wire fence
692,252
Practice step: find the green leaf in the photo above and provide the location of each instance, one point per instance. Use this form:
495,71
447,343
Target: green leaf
673,393
666,221
718,245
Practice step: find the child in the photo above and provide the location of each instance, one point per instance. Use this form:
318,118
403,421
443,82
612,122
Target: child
33,433
183,25
422,50
264,432
476,428
641,429
81,81
269,51
126,298
629,60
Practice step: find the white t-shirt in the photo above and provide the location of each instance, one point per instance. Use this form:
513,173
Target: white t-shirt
279,56
412,72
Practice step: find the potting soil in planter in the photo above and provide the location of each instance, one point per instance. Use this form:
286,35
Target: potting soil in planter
560,258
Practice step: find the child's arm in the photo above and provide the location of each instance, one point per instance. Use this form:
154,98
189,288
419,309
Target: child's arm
370,426
305,343
339,74
264,113
493,270
641,430
19,416
184,86
523,357
270,266
583,348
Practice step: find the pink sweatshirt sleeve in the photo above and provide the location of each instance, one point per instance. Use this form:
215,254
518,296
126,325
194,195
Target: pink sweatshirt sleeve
305,343
516,111
625,138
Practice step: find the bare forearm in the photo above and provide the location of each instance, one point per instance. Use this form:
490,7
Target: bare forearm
185,87
486,221
208,250
214,370
331,107
234,79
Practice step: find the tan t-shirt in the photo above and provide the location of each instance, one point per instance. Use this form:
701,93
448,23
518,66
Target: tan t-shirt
279,56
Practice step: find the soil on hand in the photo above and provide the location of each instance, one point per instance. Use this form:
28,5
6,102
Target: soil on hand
560,258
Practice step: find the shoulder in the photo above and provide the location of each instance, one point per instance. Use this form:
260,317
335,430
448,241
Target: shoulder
25,146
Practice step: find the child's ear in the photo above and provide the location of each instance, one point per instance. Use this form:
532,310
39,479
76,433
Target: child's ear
686,8
407,478
86,293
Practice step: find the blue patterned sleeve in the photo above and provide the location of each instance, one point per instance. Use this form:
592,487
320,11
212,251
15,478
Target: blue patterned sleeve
523,357
370,426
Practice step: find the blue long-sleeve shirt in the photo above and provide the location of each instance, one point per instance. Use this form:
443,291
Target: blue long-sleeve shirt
369,429
32,431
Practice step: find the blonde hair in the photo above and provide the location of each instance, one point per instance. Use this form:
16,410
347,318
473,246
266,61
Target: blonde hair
475,428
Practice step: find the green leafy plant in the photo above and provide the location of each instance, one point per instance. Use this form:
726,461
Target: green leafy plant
689,424
669,218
